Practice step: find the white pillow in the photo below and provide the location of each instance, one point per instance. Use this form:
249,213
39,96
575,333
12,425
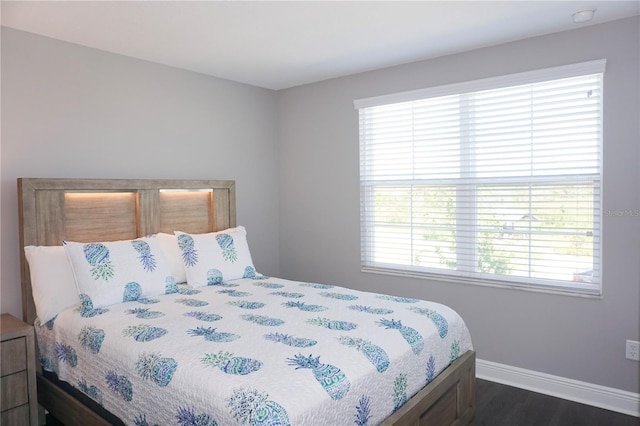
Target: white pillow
169,246
52,282
212,258
119,271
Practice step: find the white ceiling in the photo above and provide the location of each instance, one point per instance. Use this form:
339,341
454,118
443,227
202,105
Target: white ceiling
281,44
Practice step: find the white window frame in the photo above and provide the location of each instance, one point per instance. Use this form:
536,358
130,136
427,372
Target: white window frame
553,286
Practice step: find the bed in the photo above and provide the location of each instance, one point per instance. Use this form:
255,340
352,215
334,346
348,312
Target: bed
214,315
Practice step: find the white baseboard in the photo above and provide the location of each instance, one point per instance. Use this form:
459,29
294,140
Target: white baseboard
572,390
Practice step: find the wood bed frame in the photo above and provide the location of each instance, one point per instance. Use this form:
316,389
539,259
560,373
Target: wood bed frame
51,210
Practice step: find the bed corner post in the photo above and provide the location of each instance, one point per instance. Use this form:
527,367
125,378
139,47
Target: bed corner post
26,203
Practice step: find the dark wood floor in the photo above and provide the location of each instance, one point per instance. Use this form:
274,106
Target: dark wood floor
500,405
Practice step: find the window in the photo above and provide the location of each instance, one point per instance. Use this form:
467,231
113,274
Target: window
495,181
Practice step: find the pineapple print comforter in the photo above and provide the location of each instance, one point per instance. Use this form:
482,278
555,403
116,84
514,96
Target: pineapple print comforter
261,351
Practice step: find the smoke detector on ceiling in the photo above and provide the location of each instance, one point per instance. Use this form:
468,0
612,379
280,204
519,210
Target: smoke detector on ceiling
583,15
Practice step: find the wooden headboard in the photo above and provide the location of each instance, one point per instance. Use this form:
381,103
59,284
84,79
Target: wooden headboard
85,210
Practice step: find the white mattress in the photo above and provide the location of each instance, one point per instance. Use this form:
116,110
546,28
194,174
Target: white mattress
255,351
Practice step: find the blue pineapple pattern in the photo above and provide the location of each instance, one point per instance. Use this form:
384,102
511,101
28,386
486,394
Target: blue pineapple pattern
399,391
375,354
229,253
234,293
144,313
154,367
211,335
431,369
332,379
49,324
147,259
214,277
230,364
188,291
92,390
287,294
141,420
47,364
170,285
262,320
144,332
132,292
120,385
316,285
252,407
226,285
338,296
409,334
455,351
296,342
249,272
303,307
244,304
267,284
98,256
148,300
397,299
91,338
86,307
192,302
188,417
203,316
438,320
370,310
66,354
189,253
332,324
363,411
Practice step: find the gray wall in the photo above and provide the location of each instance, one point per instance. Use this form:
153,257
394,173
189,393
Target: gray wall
573,337
71,111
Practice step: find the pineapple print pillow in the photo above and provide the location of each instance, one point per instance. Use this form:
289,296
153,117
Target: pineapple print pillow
210,259
119,271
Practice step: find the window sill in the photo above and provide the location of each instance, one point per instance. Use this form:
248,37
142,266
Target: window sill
594,293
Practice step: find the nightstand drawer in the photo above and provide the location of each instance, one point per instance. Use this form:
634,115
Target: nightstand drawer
13,355
18,389
16,416
14,390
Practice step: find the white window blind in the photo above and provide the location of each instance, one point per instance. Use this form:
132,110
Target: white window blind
494,181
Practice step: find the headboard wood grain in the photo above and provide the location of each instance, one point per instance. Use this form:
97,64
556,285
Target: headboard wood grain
53,210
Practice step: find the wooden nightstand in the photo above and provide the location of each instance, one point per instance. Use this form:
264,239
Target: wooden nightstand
18,397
